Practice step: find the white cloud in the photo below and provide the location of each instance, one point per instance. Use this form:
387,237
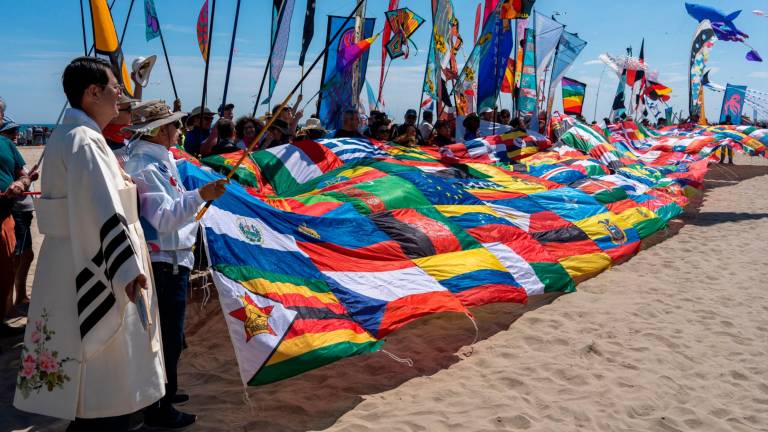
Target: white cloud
760,74
592,62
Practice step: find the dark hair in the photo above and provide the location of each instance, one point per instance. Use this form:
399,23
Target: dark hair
350,112
276,107
225,128
441,123
427,115
243,121
82,73
505,112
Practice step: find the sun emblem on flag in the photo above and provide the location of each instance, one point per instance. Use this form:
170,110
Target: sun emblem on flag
254,317
617,234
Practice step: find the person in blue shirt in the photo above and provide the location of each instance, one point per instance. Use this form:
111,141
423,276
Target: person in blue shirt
200,136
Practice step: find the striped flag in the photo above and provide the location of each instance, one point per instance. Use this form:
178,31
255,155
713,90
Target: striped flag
508,85
573,96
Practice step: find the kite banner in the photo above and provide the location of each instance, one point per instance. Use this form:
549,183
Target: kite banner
619,103
569,47
528,100
496,43
508,85
516,9
309,30
279,45
384,40
106,44
573,96
152,29
202,31
733,103
403,23
703,40
548,33
447,43
336,86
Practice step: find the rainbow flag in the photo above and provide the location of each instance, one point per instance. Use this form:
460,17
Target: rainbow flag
573,96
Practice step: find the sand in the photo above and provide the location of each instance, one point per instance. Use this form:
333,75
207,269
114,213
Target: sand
676,339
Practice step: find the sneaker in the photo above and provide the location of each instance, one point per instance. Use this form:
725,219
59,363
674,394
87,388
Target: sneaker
180,398
168,418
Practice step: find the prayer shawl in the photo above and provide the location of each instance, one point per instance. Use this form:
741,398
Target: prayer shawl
86,353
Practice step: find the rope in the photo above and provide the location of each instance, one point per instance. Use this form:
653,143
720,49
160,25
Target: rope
474,324
406,361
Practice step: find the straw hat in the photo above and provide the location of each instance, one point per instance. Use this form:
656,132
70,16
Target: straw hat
151,115
313,124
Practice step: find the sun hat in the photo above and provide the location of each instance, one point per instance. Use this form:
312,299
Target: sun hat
142,68
151,115
196,111
8,125
313,124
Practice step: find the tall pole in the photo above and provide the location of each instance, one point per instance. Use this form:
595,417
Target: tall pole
269,58
208,58
426,69
168,62
125,25
356,78
231,51
82,22
597,97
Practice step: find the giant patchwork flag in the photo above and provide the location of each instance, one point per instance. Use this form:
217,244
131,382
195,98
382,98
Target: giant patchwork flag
326,247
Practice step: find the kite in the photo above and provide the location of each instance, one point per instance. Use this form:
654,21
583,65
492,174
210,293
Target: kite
403,23
703,40
723,26
573,96
106,43
202,31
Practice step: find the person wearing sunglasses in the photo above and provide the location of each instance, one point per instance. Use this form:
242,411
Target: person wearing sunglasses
167,214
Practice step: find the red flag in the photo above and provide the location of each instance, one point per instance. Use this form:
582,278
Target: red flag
478,14
384,40
202,30
490,6
634,76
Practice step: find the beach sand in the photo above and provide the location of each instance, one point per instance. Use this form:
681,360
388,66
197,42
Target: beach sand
676,339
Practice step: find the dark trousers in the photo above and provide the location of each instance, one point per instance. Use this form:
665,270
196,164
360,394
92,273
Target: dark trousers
172,302
116,424
726,150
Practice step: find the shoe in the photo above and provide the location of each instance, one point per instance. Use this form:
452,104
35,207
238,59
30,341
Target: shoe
167,418
180,398
730,162
10,331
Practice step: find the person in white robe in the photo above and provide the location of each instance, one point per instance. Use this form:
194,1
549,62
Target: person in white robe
92,351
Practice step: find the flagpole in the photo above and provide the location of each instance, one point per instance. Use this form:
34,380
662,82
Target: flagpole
167,62
125,25
597,96
269,58
359,35
231,51
82,22
280,108
426,69
208,58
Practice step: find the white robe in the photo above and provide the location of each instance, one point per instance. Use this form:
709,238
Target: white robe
86,353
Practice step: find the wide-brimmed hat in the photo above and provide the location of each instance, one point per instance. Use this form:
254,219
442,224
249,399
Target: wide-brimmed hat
313,124
151,115
8,125
142,67
280,125
196,111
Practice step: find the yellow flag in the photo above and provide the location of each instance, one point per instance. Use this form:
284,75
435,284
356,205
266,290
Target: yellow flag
106,42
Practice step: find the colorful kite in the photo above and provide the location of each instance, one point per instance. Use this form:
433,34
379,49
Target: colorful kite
106,44
723,26
202,31
703,41
403,23
152,29
573,96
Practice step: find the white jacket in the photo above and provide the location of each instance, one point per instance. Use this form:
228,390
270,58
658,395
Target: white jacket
86,352
167,208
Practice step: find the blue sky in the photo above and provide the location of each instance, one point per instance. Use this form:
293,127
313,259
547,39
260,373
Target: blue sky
40,37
